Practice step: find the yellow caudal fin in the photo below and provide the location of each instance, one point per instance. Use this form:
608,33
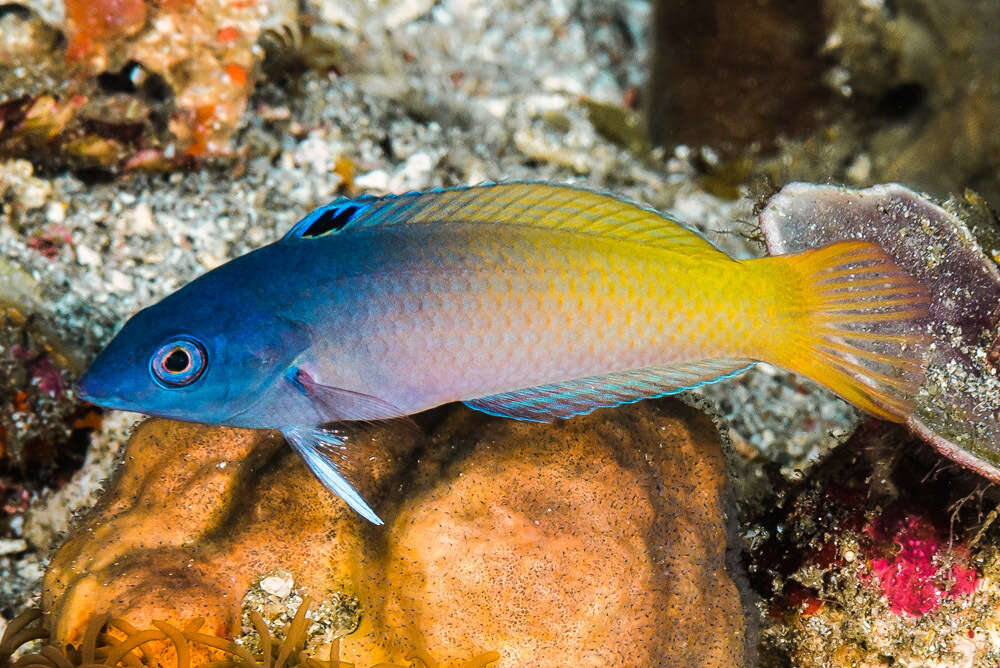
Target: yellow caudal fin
854,325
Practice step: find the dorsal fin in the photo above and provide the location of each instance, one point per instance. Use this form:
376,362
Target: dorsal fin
551,206
331,217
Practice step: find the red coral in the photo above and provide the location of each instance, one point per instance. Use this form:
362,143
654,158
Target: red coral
797,599
910,579
94,22
227,34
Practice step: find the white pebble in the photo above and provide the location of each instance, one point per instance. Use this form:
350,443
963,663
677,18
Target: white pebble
121,282
55,212
496,106
277,585
141,221
402,12
860,169
374,180
12,545
87,257
542,103
415,173
562,84
34,194
208,260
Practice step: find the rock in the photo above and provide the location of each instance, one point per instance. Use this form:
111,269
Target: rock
23,35
736,74
139,84
21,188
806,92
12,545
276,585
36,366
600,539
938,133
958,405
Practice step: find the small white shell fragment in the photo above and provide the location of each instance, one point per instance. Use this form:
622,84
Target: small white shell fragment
12,545
55,212
376,180
87,256
142,219
277,585
121,281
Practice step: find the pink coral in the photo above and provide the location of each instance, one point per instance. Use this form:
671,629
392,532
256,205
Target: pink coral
912,580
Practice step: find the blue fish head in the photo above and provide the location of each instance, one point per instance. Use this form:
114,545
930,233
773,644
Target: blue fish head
184,359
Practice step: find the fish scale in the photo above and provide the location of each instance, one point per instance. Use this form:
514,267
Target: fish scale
519,301
525,300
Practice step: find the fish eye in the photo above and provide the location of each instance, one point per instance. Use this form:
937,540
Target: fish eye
178,362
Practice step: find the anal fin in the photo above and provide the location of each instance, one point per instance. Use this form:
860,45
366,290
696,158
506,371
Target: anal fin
582,395
322,449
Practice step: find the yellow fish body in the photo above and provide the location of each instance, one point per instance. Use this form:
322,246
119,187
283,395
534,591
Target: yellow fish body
570,299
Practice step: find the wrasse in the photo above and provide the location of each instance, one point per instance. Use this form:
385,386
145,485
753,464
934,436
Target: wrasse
524,300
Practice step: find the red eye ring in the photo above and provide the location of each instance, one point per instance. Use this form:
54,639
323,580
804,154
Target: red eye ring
177,360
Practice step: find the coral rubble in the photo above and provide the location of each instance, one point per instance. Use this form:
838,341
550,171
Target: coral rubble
875,561
140,84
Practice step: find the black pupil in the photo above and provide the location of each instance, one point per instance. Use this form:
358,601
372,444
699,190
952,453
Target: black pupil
178,360
333,219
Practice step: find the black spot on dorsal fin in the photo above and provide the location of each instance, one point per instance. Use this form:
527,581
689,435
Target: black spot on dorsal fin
333,219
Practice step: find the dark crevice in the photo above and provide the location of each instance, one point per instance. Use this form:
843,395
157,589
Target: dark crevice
902,101
122,81
133,79
15,9
92,176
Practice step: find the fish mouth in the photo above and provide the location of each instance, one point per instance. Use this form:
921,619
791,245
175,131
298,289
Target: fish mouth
85,388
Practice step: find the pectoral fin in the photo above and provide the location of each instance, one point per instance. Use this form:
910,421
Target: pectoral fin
323,449
336,403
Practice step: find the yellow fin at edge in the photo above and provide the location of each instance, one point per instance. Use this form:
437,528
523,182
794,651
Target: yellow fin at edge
858,330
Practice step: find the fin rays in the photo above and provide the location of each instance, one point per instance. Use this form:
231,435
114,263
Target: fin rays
526,204
857,326
319,448
583,395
